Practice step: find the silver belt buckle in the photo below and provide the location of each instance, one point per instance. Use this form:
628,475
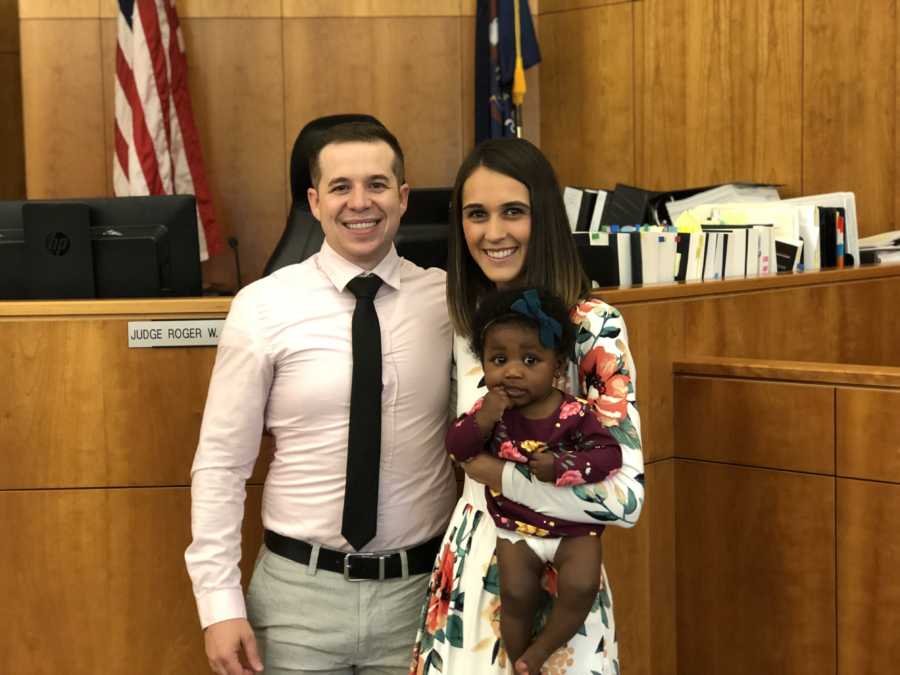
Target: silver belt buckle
381,558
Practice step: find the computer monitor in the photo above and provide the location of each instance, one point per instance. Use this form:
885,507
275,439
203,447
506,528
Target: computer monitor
140,247
422,236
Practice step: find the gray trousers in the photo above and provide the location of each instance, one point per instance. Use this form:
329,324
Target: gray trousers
315,621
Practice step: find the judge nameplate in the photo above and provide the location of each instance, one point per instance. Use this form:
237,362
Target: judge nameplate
183,333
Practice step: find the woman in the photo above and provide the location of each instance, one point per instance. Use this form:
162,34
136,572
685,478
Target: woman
509,228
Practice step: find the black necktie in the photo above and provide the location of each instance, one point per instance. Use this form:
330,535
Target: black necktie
364,442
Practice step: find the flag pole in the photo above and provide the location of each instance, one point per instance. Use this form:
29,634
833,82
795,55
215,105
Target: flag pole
519,88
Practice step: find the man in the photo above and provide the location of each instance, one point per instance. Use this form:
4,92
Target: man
293,358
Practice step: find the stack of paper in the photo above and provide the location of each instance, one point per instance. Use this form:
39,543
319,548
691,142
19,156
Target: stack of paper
816,231
723,194
881,248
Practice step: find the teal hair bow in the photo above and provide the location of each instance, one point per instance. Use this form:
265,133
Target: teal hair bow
549,330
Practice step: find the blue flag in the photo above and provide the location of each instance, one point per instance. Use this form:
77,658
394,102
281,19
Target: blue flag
495,60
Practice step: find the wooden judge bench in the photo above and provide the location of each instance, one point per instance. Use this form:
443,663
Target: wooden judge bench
763,547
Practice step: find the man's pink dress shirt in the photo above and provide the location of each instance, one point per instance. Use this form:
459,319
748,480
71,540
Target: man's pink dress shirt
284,361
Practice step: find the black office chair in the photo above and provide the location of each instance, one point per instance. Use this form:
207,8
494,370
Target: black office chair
302,234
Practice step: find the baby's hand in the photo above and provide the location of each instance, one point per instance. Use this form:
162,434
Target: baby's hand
495,403
542,465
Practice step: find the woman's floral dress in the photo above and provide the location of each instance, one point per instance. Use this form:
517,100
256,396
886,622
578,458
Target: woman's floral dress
460,629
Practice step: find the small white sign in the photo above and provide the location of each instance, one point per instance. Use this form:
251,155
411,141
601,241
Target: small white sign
182,333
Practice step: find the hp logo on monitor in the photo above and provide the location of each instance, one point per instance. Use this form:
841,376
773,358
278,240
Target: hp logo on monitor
57,243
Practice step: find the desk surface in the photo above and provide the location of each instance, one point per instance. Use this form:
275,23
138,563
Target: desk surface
216,306
115,308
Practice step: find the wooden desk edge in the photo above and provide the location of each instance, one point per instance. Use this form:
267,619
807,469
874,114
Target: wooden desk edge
790,371
174,307
700,289
615,296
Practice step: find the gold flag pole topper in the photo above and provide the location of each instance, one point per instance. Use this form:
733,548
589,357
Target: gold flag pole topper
519,88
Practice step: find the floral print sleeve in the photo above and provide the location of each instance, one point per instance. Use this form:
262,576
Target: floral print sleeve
590,453
464,440
604,375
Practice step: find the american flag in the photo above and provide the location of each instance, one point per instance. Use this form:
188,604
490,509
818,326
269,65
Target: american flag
157,149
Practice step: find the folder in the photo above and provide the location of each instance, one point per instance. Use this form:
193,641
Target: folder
626,205
599,253
586,210
828,235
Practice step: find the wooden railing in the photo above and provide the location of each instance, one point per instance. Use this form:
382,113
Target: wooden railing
787,516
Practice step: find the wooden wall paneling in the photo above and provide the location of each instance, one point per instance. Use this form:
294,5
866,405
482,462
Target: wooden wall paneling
405,71
896,149
777,425
797,324
467,84
850,106
369,8
54,580
552,6
656,338
84,410
9,26
868,555
59,9
708,92
660,42
63,120
868,327
12,160
108,46
210,9
153,401
94,581
756,570
867,433
849,323
230,9
237,89
640,565
766,100
80,409
719,92
587,94
531,108
659,506
52,412
839,323
640,81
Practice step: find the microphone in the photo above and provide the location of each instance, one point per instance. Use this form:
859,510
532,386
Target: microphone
233,244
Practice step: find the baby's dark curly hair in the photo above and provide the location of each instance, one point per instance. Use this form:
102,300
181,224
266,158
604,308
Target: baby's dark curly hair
495,309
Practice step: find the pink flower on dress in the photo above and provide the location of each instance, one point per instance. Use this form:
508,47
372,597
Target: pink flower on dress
476,406
605,385
582,310
569,409
509,451
570,477
441,587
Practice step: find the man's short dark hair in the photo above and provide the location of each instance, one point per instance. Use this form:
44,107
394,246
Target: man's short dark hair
356,132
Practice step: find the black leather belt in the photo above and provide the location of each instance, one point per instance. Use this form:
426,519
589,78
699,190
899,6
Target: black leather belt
358,566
